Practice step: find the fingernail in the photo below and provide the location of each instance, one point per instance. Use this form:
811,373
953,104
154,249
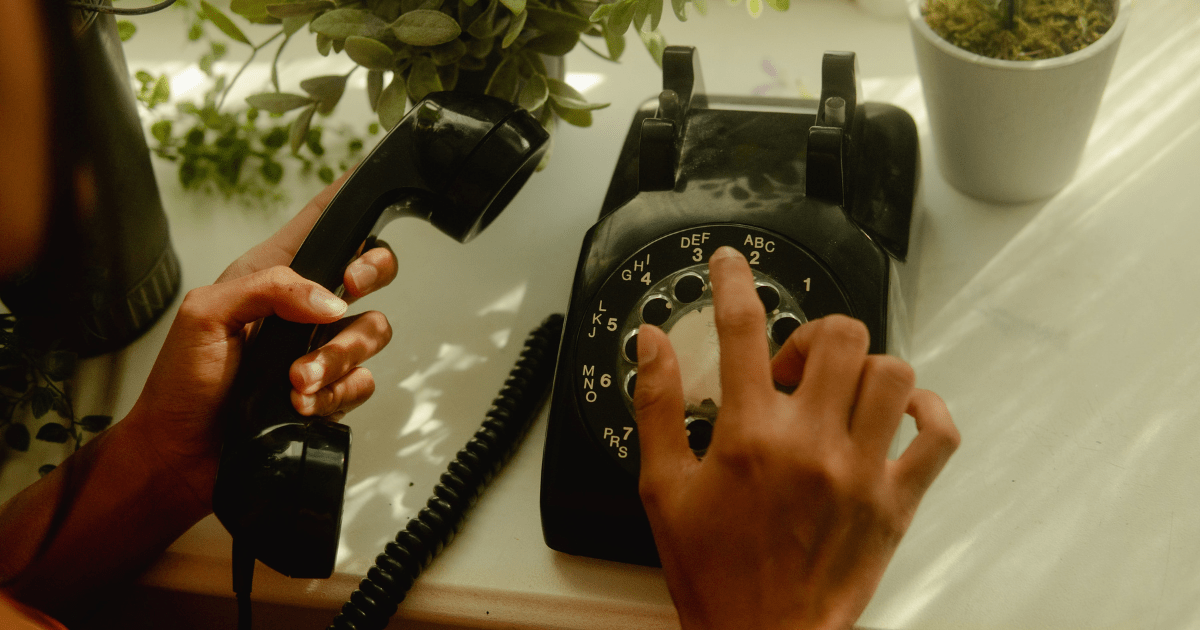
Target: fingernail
364,275
308,401
726,251
327,303
313,375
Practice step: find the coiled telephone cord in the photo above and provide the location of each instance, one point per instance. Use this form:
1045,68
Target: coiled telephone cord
387,583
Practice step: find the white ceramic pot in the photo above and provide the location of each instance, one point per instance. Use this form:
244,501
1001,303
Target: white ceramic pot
1011,131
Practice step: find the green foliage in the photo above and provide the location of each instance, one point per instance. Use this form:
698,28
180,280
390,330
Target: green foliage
126,29
409,49
241,154
430,45
34,378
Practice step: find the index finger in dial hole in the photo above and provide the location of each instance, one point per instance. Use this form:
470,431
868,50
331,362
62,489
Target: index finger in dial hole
357,339
372,271
741,328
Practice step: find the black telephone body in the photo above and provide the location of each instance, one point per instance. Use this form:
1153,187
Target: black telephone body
818,195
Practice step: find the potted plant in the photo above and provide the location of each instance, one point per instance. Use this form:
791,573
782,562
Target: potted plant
511,49
1012,88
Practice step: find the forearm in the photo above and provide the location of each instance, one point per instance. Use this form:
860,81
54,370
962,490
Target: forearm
96,520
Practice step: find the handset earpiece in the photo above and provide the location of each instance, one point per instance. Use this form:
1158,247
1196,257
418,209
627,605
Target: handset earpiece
455,160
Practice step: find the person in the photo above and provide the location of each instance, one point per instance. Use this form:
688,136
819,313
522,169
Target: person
810,510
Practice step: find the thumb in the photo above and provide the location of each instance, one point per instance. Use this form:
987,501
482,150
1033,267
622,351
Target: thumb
658,400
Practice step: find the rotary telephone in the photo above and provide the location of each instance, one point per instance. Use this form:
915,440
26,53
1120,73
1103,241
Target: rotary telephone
817,195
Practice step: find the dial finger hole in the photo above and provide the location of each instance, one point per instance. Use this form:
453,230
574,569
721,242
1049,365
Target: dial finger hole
656,311
783,326
699,433
769,296
631,383
688,288
630,347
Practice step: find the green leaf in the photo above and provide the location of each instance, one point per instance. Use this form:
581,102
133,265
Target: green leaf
602,11
189,173
325,174
143,77
448,53
416,5
656,11
515,6
754,7
655,43
425,28
292,25
567,97
298,9
299,130
371,54
46,469
480,48
472,64
277,137
622,16
159,94
392,102
327,90
161,131
505,80
701,6
577,117
448,75
680,8
555,44
484,26
314,141
779,5
95,424
339,24
195,31
614,40
548,20
324,43
59,364
374,88
16,436
62,407
514,29
222,22
534,93
641,11
271,171
53,432
423,79
125,29
278,102
42,401
253,10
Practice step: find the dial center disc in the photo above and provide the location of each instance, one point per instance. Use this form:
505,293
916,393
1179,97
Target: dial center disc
694,338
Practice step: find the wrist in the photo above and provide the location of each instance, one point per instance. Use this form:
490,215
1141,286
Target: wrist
183,480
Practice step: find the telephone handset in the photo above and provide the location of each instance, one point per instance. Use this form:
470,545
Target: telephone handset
817,195
455,160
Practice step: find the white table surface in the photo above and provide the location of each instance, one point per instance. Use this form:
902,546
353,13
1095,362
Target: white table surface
1063,334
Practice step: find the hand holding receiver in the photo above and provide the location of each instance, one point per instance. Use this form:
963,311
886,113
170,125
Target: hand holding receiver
795,511
176,414
454,160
